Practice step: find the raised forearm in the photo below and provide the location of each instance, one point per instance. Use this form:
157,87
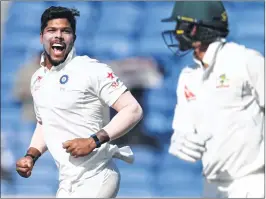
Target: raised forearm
123,121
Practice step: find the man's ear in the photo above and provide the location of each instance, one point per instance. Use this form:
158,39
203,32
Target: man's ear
41,38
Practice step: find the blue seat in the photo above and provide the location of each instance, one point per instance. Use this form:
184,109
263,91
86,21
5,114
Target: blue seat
241,25
6,189
115,46
155,124
134,176
82,45
246,26
12,40
153,46
119,18
129,192
7,81
163,97
248,5
10,113
144,155
171,84
89,15
33,190
180,192
29,19
154,13
16,7
9,129
7,98
253,43
34,47
178,177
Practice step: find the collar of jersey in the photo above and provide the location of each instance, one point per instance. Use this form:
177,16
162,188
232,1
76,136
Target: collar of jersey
70,56
211,53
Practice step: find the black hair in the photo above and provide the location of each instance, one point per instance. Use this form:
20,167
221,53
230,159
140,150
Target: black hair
55,12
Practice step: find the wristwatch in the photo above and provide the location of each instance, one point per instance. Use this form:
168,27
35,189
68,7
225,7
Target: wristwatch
97,141
34,158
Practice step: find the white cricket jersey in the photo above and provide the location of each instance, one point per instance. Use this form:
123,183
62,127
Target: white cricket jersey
225,102
70,101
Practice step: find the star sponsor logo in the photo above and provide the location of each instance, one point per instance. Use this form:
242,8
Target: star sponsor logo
110,76
36,83
188,94
37,80
115,84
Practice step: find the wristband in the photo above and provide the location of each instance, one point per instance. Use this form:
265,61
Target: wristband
34,158
97,141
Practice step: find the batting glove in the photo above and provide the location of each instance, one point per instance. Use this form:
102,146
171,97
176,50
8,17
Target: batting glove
189,147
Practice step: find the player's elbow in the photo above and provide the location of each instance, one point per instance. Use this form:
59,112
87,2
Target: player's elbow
136,111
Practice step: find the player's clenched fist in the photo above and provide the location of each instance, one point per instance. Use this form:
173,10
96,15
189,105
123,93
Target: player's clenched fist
24,166
79,147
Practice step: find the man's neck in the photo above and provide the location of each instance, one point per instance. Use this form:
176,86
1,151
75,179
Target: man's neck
200,58
47,63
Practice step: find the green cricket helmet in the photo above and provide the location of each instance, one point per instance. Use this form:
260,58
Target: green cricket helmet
204,21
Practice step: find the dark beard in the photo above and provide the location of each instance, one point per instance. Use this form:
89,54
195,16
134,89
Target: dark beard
53,62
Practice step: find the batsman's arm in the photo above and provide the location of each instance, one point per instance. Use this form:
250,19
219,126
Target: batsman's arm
183,116
255,67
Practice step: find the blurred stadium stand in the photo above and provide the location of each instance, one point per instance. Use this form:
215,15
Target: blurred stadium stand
114,30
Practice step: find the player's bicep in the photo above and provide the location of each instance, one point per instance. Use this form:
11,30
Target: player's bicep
109,86
180,105
126,99
183,116
36,109
37,113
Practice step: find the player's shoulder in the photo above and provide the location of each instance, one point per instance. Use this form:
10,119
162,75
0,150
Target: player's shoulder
188,71
242,55
253,54
238,49
38,73
90,64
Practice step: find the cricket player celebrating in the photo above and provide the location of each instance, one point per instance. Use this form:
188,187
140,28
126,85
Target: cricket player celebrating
219,117
70,94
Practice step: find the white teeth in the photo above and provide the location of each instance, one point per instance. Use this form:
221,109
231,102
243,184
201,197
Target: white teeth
57,45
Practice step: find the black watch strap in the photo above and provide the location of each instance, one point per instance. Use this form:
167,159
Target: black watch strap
34,158
97,141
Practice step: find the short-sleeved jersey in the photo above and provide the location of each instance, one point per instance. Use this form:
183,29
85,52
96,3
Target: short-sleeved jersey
70,101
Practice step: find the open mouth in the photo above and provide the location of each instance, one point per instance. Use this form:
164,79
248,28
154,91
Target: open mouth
58,48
